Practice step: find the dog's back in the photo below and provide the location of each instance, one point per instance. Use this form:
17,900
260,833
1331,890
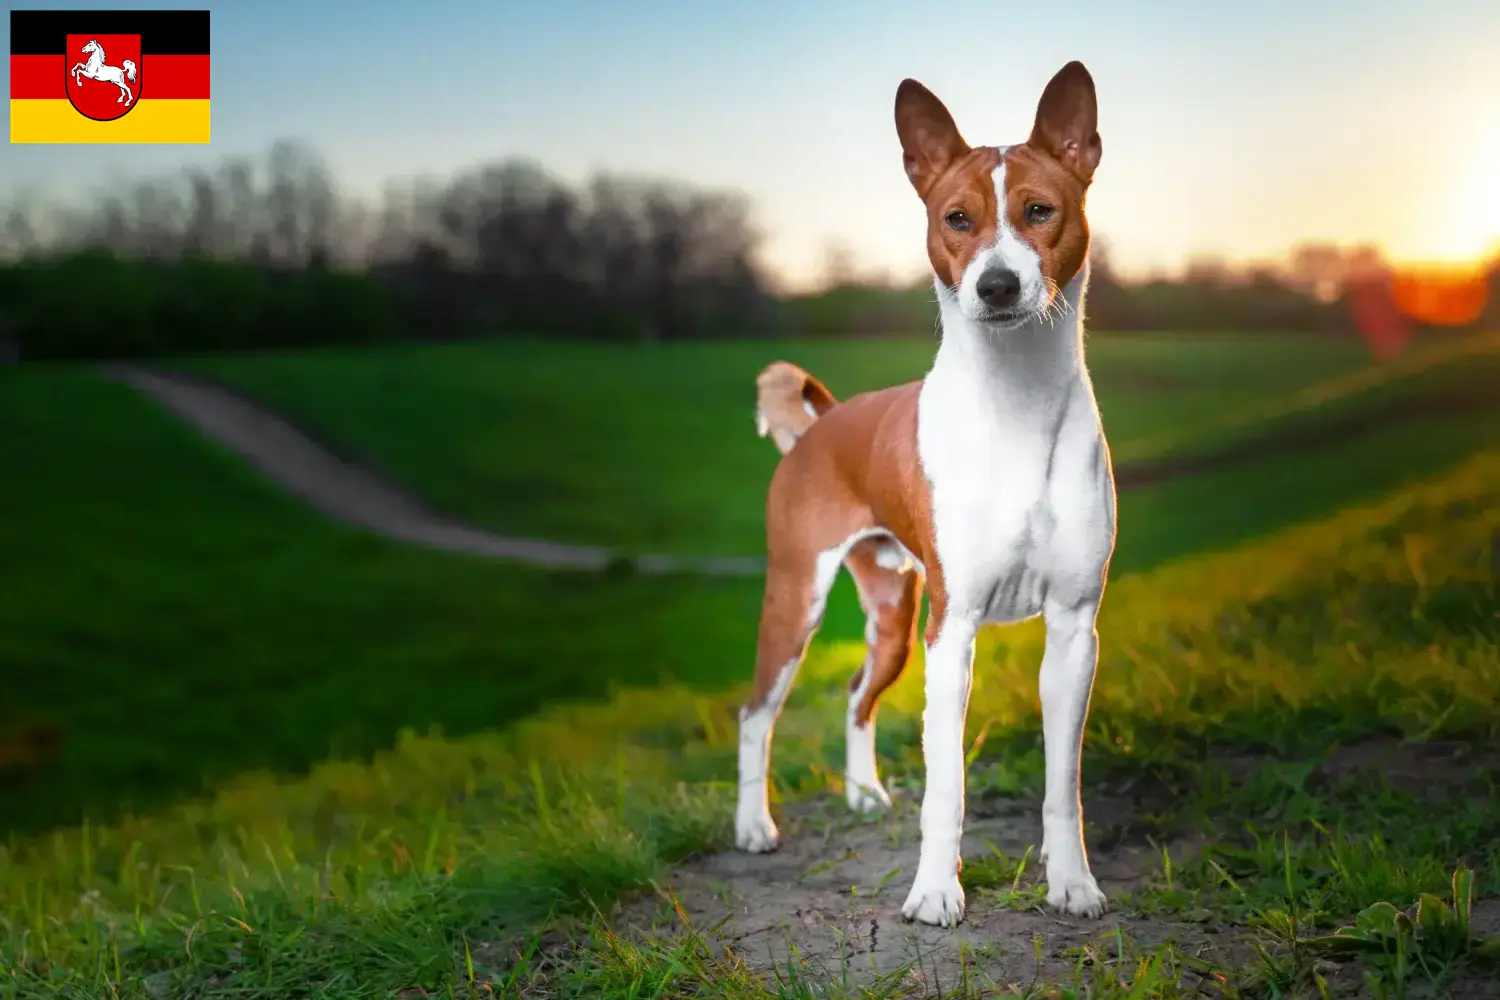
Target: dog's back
835,483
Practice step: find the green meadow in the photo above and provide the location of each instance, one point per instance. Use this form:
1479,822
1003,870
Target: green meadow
246,752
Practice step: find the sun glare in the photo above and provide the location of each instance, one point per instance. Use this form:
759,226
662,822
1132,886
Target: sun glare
1476,232
1446,282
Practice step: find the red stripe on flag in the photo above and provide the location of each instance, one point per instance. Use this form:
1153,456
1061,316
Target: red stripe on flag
41,78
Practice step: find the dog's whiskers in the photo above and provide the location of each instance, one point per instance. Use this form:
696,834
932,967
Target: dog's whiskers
1058,308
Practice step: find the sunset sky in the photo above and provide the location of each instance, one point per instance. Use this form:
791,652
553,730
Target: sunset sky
1237,132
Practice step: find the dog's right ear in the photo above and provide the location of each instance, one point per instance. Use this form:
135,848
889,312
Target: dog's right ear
929,137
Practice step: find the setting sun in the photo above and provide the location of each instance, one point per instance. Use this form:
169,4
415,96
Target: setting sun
1449,285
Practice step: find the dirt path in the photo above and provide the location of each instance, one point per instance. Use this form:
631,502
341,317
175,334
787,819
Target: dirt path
828,903
358,496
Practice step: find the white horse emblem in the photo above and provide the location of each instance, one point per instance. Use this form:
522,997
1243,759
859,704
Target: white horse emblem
95,69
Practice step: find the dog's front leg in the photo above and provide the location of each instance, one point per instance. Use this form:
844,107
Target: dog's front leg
936,896
1067,679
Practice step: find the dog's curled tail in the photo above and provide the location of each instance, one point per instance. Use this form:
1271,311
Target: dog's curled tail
787,401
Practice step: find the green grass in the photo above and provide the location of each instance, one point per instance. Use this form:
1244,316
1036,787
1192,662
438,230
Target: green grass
1197,513
215,637
179,621
416,869
653,448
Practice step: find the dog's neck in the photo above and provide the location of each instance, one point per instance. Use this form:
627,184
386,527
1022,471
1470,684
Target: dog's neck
1039,358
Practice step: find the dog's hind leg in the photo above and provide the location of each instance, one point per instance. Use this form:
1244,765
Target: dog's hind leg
797,585
890,589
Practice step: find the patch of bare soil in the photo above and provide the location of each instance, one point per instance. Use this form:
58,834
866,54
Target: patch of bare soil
829,902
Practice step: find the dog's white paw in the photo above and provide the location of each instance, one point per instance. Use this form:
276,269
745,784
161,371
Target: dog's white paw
936,902
1076,893
866,798
755,832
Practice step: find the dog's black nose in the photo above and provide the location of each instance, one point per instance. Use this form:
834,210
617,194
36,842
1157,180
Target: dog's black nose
999,287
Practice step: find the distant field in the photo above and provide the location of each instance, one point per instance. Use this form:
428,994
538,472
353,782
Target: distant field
653,448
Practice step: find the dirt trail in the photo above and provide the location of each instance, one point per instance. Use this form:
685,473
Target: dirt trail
358,496
826,908
829,902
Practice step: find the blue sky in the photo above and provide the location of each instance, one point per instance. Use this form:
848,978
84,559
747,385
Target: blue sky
1231,128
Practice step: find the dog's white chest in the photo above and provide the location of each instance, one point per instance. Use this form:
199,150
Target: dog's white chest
991,515
1012,497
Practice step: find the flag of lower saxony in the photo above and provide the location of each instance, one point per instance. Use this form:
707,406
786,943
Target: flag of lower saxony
109,76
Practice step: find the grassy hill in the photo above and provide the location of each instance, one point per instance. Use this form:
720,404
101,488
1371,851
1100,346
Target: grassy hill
195,643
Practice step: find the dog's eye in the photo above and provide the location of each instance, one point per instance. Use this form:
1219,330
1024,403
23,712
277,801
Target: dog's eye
1037,213
958,221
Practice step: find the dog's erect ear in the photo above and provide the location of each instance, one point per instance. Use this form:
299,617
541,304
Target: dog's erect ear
1067,121
929,138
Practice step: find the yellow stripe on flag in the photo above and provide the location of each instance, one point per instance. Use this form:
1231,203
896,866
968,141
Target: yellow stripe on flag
152,121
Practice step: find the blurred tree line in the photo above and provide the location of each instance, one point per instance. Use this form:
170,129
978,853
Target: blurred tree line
270,254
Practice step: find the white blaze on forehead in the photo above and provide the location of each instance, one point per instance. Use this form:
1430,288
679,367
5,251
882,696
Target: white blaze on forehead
1008,251
1012,251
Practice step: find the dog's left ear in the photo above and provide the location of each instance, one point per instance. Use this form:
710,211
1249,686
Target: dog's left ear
1067,120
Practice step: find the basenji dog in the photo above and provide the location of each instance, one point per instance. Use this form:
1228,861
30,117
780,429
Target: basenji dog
989,481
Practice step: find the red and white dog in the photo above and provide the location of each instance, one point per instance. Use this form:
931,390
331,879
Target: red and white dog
990,478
